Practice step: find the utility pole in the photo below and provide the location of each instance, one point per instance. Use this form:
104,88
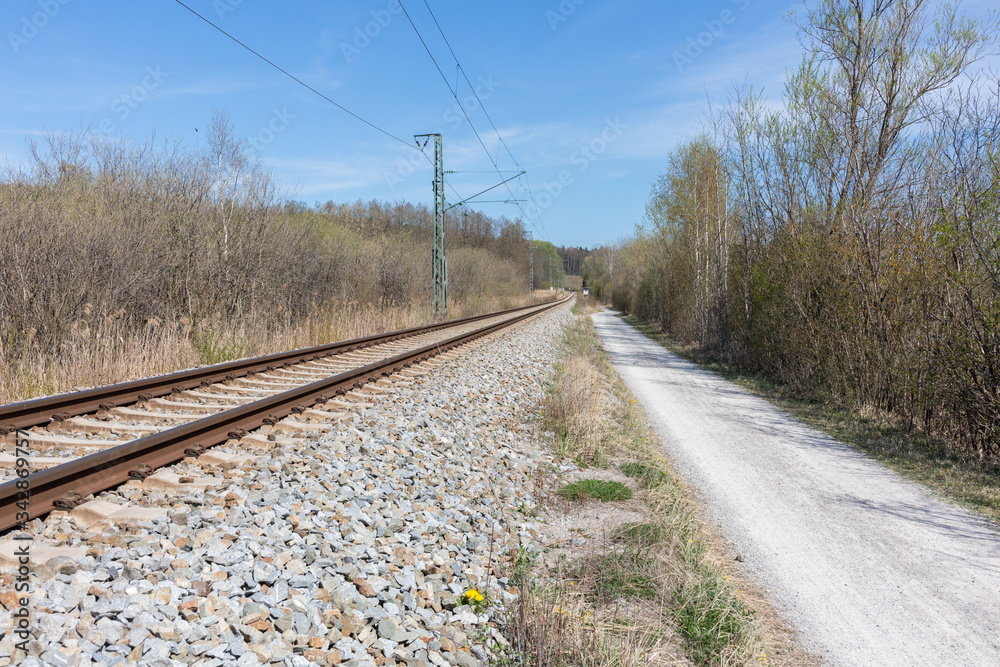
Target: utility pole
439,261
550,273
531,265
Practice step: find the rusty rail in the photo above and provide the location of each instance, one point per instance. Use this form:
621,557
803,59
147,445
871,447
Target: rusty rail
62,406
66,485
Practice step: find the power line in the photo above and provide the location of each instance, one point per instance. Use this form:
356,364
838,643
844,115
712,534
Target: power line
464,202
304,84
427,157
471,87
334,103
540,221
454,94
487,114
294,78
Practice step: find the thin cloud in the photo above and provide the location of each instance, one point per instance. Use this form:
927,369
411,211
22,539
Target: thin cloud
216,87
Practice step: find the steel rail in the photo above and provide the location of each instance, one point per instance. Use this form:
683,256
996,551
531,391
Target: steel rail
39,411
66,485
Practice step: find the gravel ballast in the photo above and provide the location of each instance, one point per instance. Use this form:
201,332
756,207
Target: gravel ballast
353,548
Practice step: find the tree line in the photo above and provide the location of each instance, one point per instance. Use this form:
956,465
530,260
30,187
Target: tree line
151,230
848,243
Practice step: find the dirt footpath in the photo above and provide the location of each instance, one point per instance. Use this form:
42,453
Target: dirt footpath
868,567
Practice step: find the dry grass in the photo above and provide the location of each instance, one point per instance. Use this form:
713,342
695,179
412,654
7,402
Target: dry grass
647,592
135,257
103,348
580,407
585,305
557,628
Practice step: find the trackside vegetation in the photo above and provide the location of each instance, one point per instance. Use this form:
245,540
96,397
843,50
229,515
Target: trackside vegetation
653,591
126,258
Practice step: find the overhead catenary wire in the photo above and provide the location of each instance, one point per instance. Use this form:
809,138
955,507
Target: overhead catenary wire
296,79
540,221
454,94
373,125
482,106
458,65
308,87
447,184
466,201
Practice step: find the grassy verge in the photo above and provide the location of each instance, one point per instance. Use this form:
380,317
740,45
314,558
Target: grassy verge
646,592
971,483
103,349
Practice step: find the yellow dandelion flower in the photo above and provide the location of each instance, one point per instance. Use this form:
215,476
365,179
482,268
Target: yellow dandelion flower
474,595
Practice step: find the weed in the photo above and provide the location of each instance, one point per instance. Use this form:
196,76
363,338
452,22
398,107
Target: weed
599,489
712,619
625,572
648,475
661,566
521,562
211,348
478,601
642,535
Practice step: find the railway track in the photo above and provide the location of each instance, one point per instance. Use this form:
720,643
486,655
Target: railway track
86,442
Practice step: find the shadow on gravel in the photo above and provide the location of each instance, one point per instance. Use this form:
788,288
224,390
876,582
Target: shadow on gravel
751,411
946,523
754,414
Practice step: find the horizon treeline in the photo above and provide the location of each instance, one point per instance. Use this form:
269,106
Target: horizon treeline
848,244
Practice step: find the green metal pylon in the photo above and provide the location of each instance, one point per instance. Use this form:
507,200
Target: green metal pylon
439,262
531,265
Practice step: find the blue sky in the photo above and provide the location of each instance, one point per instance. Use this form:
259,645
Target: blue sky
589,95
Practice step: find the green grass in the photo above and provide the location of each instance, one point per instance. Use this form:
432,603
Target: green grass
647,475
664,562
212,350
641,535
710,617
625,572
971,483
599,489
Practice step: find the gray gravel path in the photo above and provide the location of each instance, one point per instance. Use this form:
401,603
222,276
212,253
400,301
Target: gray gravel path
869,567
